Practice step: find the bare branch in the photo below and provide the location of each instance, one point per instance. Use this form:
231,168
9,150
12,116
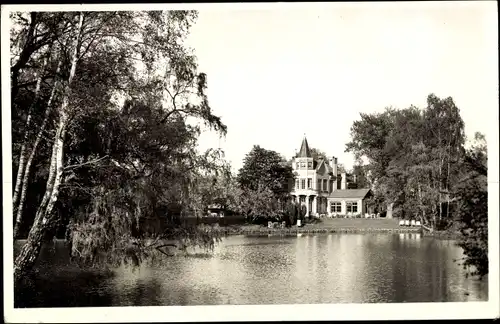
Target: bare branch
69,167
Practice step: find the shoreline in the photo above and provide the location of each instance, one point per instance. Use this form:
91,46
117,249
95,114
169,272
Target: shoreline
304,230
312,229
318,228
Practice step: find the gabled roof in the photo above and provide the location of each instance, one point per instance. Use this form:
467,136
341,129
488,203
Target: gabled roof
323,164
319,164
350,193
304,149
322,167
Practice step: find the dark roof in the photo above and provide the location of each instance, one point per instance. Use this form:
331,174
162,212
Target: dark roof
350,193
304,149
319,163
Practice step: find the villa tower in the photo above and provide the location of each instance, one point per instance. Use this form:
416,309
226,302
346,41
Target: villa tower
317,186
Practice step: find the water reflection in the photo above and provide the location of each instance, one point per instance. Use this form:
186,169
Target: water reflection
332,268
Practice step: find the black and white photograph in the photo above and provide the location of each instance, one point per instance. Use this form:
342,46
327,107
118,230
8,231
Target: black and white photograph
250,161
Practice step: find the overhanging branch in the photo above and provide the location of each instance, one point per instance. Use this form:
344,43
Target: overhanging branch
74,166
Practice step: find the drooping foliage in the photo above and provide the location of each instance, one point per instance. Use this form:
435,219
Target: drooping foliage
104,149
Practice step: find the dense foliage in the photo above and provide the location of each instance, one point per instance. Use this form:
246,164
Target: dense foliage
472,213
264,184
413,157
104,147
105,152
418,163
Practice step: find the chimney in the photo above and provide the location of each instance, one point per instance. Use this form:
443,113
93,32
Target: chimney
333,164
343,184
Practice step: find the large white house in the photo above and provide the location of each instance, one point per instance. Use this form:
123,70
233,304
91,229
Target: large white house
321,189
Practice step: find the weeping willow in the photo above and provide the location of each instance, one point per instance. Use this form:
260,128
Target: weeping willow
122,226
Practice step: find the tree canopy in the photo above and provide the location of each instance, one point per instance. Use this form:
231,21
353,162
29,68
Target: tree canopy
101,140
264,182
265,169
417,162
472,212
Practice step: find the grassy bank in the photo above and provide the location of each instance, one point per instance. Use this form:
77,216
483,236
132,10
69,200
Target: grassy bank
338,225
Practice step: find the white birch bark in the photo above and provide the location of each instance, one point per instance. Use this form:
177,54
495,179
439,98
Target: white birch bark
27,170
22,154
31,249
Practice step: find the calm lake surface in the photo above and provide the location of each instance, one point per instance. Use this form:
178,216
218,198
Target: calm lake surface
307,269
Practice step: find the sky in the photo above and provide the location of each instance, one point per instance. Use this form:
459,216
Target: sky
277,73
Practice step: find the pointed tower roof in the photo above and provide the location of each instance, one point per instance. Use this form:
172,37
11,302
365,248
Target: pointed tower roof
304,149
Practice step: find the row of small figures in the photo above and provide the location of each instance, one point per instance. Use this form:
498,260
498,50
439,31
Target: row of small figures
409,223
276,224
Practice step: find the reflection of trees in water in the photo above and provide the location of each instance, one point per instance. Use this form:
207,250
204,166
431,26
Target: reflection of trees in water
146,292
55,282
66,288
343,268
426,272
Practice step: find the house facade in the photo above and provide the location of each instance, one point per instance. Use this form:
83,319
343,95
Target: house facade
320,187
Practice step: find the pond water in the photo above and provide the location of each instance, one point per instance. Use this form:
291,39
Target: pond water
307,269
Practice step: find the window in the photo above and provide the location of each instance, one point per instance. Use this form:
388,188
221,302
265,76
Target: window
302,199
336,207
303,182
297,183
325,185
309,164
309,183
352,207
297,165
302,164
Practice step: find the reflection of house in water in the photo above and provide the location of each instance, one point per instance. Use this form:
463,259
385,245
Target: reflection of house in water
320,187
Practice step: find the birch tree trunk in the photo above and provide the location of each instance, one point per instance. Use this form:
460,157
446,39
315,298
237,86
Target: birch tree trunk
449,156
27,170
440,184
30,251
441,161
22,154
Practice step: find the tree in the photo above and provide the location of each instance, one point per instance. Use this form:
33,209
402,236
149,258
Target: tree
413,156
264,182
124,167
446,129
31,249
341,168
472,192
258,206
318,154
360,171
265,169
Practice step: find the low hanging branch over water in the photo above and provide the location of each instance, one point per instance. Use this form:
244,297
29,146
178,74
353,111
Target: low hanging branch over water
131,177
